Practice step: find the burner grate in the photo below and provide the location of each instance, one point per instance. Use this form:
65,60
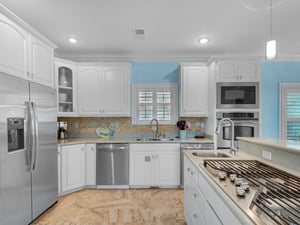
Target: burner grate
278,195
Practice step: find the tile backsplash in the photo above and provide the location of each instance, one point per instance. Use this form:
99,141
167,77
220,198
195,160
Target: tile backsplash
86,127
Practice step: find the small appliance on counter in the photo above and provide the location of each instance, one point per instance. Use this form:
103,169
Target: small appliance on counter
62,133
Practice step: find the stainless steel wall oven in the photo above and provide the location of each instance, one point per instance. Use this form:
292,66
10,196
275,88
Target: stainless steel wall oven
246,124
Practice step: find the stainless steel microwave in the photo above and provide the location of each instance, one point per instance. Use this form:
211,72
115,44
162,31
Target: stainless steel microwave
237,95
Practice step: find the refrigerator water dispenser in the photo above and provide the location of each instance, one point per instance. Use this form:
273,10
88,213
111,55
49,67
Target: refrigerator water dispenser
15,131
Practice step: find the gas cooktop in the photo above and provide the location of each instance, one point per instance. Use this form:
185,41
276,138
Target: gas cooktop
268,195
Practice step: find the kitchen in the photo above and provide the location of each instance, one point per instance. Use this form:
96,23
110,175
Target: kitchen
88,113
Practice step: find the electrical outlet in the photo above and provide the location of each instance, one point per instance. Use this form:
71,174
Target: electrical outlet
267,155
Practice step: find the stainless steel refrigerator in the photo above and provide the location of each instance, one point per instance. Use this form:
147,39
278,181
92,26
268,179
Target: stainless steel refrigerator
28,150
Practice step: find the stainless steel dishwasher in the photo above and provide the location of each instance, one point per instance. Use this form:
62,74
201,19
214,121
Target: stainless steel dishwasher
112,165
191,147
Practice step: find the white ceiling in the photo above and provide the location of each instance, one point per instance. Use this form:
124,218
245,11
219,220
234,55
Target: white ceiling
104,28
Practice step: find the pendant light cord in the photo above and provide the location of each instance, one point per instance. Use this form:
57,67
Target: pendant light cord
271,16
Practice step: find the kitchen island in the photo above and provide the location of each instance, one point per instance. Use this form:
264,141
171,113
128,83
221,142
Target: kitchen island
221,201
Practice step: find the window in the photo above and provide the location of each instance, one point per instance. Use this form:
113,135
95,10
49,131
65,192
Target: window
290,111
154,101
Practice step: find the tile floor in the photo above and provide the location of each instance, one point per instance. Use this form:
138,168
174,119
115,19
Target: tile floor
117,207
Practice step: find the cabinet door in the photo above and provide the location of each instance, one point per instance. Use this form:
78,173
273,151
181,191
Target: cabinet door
194,91
168,168
66,88
73,168
141,168
115,88
90,176
41,64
89,95
14,49
210,216
227,70
249,70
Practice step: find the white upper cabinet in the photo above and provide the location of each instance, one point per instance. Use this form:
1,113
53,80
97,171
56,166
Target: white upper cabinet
238,70
23,55
14,48
104,90
116,90
66,86
194,91
41,62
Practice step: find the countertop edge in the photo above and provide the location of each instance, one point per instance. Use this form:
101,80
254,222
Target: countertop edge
73,141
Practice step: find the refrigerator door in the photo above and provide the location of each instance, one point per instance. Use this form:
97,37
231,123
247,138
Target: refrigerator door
44,160
15,187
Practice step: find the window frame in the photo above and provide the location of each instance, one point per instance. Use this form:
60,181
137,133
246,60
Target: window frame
285,88
155,87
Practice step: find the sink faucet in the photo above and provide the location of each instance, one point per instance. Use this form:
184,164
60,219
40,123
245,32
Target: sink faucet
156,127
233,150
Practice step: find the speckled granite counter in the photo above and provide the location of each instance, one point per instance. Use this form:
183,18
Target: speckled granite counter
129,140
289,146
278,152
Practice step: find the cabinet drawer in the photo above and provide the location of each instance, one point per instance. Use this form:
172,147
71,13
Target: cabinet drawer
197,197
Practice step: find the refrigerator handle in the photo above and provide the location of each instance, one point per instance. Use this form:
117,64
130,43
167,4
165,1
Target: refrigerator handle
28,136
36,136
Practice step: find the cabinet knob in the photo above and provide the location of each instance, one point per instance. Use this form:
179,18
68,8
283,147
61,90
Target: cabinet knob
195,215
195,196
188,169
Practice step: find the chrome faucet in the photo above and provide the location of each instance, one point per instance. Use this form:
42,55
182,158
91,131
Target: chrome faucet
233,150
156,127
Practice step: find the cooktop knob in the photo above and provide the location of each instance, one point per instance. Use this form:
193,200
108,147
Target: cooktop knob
238,181
240,191
245,185
222,175
232,177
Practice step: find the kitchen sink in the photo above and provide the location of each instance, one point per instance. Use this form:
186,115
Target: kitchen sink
211,154
154,139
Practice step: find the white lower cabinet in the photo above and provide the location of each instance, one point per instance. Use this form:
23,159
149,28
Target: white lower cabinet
154,165
72,167
202,206
90,162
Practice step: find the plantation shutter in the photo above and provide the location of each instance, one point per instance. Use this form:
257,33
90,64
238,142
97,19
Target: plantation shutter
290,111
155,102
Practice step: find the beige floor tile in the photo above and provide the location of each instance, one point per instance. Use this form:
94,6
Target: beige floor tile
117,207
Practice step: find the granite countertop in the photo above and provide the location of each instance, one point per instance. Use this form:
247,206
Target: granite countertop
289,146
71,141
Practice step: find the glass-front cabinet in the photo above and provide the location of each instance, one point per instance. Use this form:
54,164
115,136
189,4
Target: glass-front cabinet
66,88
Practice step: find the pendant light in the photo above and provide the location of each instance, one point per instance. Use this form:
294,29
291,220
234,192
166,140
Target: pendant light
271,44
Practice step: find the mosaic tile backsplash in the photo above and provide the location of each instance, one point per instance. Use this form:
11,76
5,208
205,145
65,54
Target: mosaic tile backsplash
84,127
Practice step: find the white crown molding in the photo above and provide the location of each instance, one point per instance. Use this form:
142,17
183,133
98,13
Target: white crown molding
12,16
109,58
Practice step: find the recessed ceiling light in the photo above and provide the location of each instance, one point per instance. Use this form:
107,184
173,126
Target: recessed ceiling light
202,41
72,40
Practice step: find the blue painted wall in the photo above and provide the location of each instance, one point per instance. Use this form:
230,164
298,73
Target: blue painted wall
154,72
274,73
